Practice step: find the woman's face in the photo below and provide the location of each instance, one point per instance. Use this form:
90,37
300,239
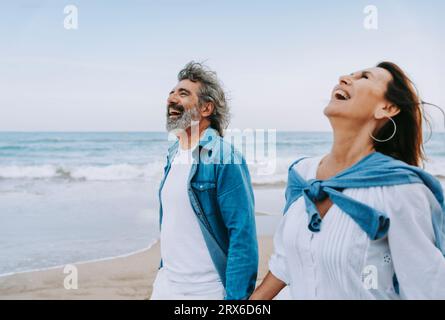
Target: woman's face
360,96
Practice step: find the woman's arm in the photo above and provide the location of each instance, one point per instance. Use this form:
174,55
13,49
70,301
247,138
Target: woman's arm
418,264
268,289
277,277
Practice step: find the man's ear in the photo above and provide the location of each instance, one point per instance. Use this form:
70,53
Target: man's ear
207,109
386,111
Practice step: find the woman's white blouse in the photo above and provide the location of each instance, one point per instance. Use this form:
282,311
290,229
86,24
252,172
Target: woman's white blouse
342,262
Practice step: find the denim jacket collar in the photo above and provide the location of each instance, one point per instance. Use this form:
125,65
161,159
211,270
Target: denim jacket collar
207,141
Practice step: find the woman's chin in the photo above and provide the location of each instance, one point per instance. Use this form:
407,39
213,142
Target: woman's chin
337,109
331,110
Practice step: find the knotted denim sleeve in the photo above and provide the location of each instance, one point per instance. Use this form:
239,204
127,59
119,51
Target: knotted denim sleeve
375,169
372,221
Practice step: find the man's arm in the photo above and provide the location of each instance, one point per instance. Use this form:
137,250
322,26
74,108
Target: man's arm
236,204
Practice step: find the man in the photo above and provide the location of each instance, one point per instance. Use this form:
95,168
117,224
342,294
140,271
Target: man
208,235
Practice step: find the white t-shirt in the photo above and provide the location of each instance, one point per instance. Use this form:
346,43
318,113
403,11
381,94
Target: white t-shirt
342,262
184,252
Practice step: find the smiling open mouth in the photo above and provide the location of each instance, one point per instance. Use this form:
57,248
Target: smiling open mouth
174,113
340,94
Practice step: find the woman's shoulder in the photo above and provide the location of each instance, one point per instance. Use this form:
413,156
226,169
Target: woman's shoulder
408,191
306,166
414,199
411,207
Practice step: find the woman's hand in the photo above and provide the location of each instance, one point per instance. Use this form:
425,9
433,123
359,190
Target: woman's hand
268,289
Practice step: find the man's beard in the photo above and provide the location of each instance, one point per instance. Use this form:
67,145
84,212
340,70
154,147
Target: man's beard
184,120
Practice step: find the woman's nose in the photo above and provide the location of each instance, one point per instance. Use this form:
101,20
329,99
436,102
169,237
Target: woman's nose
345,80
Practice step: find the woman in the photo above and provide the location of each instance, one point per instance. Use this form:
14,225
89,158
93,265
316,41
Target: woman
364,221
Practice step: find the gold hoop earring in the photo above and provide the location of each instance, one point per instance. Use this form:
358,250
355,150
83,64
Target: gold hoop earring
392,136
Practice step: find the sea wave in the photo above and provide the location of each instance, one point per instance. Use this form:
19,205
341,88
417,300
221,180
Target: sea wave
262,174
125,171
115,172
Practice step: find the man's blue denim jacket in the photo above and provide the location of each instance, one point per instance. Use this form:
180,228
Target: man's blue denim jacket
221,195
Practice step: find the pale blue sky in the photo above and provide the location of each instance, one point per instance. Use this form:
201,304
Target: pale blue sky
277,59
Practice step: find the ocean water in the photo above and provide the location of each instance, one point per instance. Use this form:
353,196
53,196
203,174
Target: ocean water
70,197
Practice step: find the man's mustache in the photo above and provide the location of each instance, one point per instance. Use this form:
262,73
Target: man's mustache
175,107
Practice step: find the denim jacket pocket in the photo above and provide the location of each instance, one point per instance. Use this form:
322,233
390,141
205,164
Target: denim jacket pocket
203,186
206,194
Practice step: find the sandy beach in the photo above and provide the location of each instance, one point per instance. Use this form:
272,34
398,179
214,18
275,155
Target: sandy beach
128,277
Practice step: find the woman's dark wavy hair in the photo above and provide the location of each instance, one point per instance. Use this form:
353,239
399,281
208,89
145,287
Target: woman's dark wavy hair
407,144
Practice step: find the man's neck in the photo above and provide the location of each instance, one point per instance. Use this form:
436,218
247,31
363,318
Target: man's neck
192,135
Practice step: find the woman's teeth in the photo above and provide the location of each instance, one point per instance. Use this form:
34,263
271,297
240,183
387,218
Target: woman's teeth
341,95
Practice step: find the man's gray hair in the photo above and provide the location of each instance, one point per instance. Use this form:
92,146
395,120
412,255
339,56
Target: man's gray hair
210,91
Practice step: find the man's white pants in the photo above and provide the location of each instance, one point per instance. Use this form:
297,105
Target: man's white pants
165,289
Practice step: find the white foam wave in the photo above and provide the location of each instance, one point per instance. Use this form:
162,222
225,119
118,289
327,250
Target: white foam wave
262,174
27,172
114,172
270,173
